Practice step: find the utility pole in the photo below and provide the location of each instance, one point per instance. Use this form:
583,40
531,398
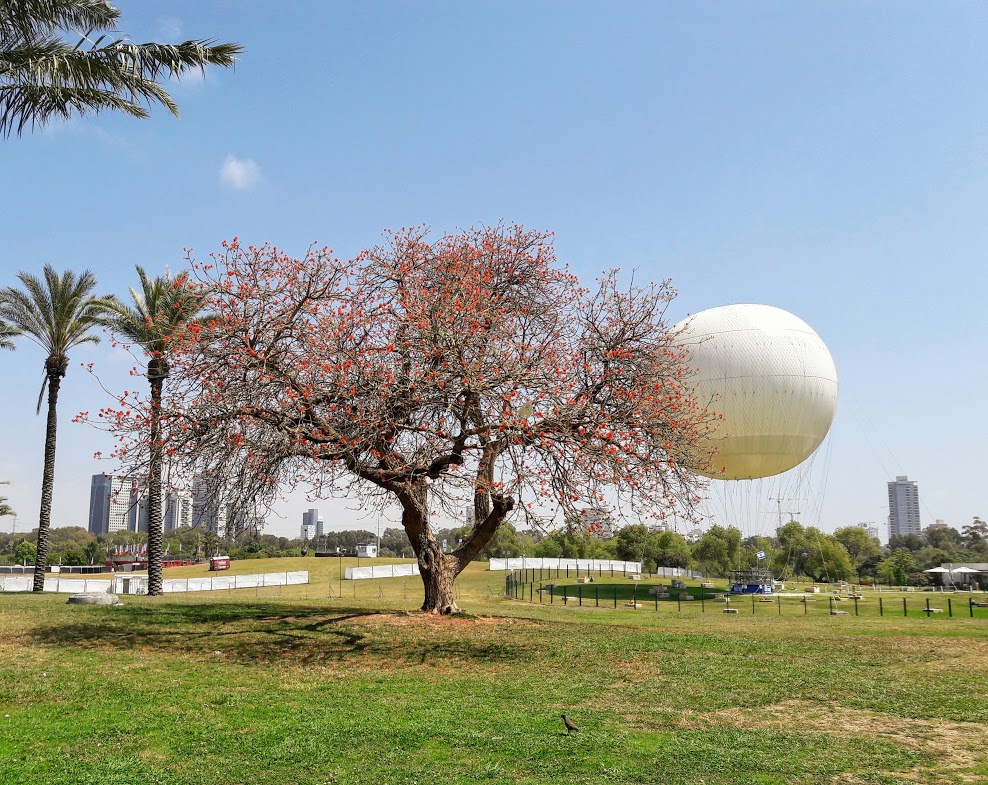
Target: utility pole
778,501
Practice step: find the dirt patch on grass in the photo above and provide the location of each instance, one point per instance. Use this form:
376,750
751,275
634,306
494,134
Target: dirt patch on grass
957,747
421,620
971,657
637,667
412,643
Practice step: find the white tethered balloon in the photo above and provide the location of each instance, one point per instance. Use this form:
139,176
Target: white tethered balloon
773,380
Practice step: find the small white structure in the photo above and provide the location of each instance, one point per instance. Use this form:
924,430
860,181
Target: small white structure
367,551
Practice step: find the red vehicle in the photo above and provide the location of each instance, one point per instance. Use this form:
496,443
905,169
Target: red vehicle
217,563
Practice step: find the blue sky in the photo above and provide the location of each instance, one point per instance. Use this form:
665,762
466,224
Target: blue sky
828,158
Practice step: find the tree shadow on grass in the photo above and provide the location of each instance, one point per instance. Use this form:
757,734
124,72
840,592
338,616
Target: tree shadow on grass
271,633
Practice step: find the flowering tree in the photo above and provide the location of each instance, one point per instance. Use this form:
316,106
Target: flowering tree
429,375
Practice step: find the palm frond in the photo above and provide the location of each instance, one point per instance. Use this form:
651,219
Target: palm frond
161,309
56,311
21,108
7,331
43,77
24,18
28,310
153,61
41,395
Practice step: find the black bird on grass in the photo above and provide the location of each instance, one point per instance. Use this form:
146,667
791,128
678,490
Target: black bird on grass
570,727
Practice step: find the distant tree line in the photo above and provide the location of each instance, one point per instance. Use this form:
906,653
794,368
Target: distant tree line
73,545
795,551
848,554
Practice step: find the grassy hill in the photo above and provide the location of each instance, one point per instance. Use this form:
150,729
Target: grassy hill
303,685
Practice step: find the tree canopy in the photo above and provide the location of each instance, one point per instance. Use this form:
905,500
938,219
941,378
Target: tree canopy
432,374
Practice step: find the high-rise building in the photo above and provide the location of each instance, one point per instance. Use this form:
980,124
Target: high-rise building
904,507
244,522
312,524
137,515
177,510
870,528
209,509
110,503
597,522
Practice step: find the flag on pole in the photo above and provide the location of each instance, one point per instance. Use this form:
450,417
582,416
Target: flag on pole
760,554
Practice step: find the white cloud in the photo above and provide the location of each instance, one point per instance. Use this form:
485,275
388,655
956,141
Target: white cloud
169,29
240,172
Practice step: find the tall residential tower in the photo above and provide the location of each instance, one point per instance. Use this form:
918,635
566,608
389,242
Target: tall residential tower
111,504
904,507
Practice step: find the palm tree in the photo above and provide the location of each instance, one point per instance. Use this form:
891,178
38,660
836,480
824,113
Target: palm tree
162,309
57,313
44,76
5,509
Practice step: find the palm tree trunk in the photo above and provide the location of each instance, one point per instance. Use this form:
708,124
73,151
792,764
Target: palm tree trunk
47,483
155,534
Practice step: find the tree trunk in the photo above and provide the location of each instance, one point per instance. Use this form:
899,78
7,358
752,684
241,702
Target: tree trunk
47,481
155,535
438,570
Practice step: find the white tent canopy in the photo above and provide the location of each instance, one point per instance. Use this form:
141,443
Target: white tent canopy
937,569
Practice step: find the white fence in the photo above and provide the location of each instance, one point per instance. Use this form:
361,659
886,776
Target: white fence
63,585
381,571
220,582
585,565
138,584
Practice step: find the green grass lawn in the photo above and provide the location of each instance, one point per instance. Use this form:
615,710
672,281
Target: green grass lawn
303,685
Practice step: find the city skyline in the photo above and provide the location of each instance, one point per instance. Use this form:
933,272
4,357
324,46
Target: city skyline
827,160
128,512
118,502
